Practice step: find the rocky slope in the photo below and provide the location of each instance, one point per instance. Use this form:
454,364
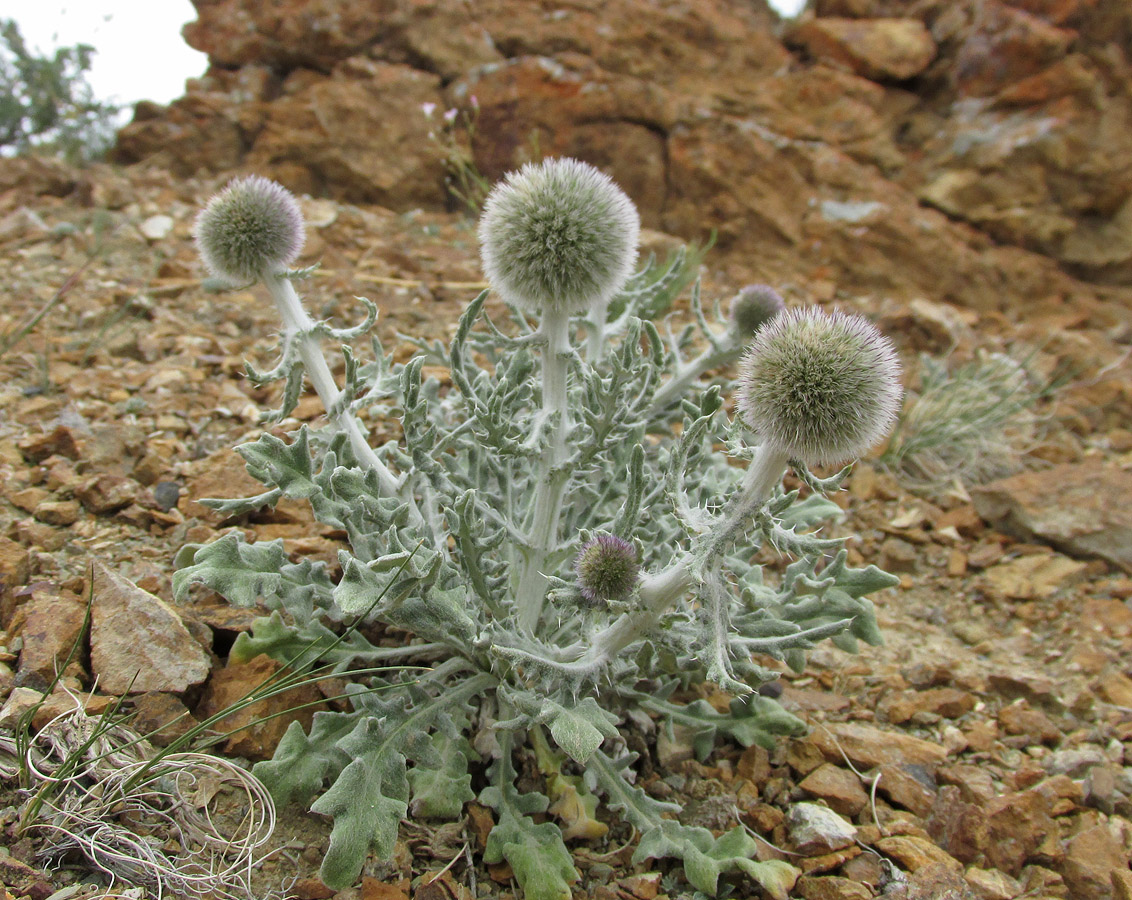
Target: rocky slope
910,147
958,171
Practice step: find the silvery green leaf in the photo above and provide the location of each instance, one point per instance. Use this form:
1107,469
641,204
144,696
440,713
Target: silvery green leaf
580,729
301,763
442,785
814,510
241,506
286,466
536,853
706,857
247,573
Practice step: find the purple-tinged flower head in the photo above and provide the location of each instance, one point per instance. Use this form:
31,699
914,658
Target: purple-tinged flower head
558,236
821,388
251,228
607,569
753,307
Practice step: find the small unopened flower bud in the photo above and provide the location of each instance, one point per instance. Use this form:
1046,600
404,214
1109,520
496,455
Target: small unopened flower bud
607,569
822,388
753,307
251,228
558,236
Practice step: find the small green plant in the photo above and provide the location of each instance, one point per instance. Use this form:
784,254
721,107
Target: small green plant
555,533
46,103
967,425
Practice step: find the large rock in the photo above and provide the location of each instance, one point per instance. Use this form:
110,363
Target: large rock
1083,509
1010,119
138,642
882,49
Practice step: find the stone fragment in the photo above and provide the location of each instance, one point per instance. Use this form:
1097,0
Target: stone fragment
914,853
14,564
220,474
991,884
106,492
58,512
19,702
830,888
911,787
828,862
256,735
839,788
156,227
1121,884
28,498
1035,577
24,880
138,642
932,882
161,717
869,747
1074,761
1083,509
1115,688
1089,858
60,441
950,703
52,625
880,49
818,829
1020,719
1016,826
957,825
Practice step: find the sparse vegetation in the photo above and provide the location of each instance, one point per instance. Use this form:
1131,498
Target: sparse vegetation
46,102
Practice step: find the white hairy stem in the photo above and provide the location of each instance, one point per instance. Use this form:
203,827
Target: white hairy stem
550,482
298,327
658,593
712,358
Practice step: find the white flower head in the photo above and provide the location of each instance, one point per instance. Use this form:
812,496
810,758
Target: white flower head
251,228
822,388
558,236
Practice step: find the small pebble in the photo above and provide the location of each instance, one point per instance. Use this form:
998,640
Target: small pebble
166,494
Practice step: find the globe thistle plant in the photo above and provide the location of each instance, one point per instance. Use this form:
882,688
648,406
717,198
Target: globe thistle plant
537,468
820,388
251,228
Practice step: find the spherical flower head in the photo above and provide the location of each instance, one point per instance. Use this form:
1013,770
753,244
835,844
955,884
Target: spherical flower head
821,388
558,236
607,569
251,228
753,307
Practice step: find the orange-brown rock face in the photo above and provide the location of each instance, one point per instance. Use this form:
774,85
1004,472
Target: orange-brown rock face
859,141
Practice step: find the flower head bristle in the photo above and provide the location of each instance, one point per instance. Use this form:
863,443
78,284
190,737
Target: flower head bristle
251,228
607,569
822,388
558,236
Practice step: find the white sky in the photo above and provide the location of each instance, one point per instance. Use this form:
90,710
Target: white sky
140,52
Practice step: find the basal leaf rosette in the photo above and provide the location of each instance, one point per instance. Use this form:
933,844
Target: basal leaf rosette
822,388
252,228
558,236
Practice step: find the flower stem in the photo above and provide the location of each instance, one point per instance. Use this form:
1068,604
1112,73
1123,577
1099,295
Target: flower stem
299,327
712,358
658,593
550,483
